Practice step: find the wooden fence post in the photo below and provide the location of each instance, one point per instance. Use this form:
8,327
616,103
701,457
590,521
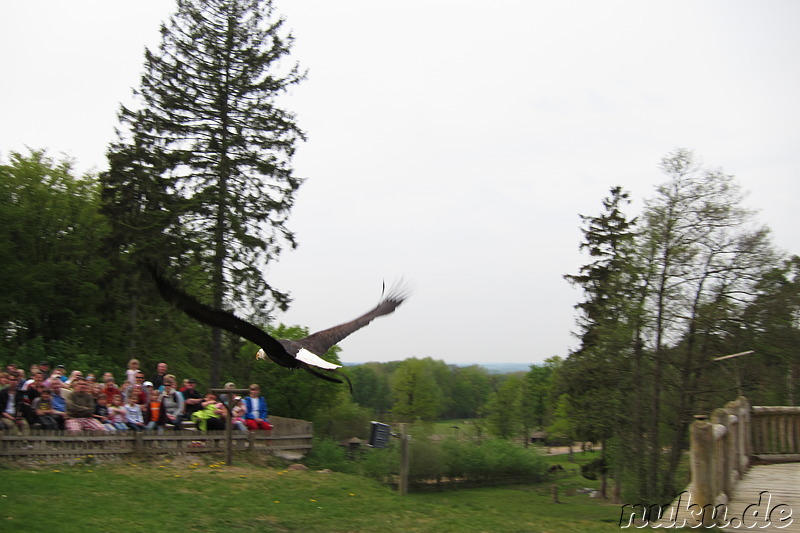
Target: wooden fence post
738,452
138,442
404,461
747,440
722,449
229,402
702,468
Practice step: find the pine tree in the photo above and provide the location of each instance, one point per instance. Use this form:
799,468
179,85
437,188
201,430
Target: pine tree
608,279
602,377
200,176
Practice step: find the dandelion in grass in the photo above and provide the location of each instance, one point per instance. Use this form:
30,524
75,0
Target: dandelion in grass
312,500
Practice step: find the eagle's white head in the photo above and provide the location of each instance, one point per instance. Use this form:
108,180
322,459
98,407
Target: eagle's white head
260,354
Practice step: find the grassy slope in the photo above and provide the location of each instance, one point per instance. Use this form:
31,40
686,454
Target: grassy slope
190,494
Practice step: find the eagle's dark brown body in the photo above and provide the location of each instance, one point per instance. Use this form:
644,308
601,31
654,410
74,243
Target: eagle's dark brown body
304,353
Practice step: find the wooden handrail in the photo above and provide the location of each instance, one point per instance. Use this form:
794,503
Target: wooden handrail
722,446
776,430
288,435
719,456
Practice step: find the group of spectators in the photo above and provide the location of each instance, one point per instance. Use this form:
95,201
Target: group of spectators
52,400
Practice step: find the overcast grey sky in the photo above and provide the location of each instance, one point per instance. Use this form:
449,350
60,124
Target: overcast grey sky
454,143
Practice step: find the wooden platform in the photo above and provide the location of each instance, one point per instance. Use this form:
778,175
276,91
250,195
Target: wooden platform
782,498
766,494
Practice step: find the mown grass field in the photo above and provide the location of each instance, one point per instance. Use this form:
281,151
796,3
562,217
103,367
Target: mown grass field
188,493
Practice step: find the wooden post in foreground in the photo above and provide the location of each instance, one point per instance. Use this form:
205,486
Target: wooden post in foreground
403,487
229,404
702,468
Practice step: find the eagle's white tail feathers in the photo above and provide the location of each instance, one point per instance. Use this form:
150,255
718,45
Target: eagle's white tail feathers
314,360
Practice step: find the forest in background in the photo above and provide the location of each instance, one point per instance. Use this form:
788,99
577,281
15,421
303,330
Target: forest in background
200,183
65,302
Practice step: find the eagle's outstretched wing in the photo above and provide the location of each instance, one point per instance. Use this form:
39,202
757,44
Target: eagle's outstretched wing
320,342
304,353
223,319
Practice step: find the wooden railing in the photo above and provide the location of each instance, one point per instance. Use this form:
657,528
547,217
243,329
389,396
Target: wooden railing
723,445
288,435
776,431
720,447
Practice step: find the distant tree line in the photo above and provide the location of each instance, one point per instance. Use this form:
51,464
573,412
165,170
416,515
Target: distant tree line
428,389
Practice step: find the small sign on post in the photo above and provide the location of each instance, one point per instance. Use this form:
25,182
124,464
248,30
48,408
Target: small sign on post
379,435
379,438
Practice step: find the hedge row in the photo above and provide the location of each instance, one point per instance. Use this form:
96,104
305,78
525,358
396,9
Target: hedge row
433,460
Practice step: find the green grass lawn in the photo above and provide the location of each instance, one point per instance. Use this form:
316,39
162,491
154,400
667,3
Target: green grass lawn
189,493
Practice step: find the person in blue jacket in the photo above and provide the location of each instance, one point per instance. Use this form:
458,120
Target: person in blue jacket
256,415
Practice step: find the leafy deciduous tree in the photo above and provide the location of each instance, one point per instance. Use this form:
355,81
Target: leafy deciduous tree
706,254
50,238
415,391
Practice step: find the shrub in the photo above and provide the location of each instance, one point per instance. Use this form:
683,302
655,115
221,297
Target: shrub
508,459
465,459
327,453
342,419
380,463
492,458
426,459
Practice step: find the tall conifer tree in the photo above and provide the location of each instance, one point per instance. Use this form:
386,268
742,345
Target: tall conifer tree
200,175
601,377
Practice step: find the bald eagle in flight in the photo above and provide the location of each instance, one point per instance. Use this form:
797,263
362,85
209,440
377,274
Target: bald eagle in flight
303,353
